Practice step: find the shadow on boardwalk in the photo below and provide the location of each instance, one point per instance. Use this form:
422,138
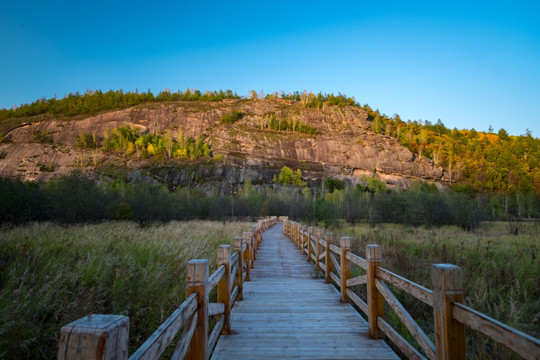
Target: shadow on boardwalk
288,314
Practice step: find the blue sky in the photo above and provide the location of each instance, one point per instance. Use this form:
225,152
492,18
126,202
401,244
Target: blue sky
471,64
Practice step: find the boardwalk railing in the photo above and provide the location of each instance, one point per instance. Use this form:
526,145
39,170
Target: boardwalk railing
450,315
105,337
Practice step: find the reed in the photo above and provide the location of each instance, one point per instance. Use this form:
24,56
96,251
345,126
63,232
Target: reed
52,275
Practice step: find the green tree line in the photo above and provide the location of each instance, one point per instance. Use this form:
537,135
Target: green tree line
77,199
94,101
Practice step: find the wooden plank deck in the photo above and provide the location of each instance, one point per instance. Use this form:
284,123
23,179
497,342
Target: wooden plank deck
287,313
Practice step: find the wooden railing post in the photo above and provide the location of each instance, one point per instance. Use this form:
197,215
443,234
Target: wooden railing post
449,333
328,237
309,250
239,276
374,297
345,244
246,254
224,285
300,236
317,248
197,283
100,337
252,235
304,238
248,238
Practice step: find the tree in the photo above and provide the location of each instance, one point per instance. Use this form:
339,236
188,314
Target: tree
503,135
289,177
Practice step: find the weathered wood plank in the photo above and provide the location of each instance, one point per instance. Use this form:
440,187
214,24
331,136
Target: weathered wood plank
215,277
517,341
357,301
335,249
234,258
336,279
234,295
399,341
286,313
415,330
234,271
183,343
359,280
95,335
165,333
214,336
216,309
355,259
336,263
418,291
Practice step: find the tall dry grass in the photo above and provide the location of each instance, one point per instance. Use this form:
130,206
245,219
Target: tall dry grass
52,275
501,272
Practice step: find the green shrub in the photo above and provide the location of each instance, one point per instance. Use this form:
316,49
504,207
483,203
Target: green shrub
231,117
119,210
47,167
334,184
371,184
289,177
42,137
85,140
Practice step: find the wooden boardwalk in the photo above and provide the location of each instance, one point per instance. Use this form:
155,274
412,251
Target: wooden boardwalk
287,313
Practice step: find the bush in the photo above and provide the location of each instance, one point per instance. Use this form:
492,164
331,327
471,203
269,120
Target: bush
119,210
75,198
231,117
20,202
85,140
47,167
289,177
42,137
322,210
334,184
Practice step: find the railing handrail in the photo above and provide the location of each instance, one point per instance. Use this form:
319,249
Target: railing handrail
107,335
446,301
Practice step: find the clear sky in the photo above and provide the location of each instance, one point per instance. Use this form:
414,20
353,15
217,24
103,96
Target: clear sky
471,64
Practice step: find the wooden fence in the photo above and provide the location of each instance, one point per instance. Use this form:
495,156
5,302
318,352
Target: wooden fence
450,315
105,337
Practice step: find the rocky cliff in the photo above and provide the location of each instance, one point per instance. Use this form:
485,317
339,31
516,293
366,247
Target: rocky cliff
343,147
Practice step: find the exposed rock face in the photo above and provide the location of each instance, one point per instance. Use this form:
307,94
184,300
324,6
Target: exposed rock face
344,147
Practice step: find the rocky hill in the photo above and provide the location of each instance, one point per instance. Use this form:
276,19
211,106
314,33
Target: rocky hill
340,144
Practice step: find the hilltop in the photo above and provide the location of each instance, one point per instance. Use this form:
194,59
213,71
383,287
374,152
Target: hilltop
193,139
266,135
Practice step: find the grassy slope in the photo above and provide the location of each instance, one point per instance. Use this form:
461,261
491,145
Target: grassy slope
501,272
51,275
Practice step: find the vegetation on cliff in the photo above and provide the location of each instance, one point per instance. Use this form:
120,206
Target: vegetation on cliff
485,161
478,161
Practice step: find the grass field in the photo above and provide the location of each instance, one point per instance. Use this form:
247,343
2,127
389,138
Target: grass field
52,275
501,272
